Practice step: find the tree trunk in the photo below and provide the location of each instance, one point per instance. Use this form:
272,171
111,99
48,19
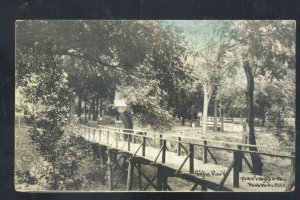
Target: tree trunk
85,114
127,120
71,110
221,117
79,110
101,107
96,110
215,115
256,160
54,177
91,108
263,119
182,121
207,96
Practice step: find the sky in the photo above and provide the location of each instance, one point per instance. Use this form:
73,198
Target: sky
199,32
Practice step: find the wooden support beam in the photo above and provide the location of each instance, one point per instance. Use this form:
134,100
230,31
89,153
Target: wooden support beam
124,144
194,187
205,151
150,182
227,173
117,164
182,164
119,179
149,141
236,168
130,174
212,156
139,168
159,178
179,147
165,185
191,158
247,162
110,173
161,148
186,151
137,150
203,188
100,155
168,187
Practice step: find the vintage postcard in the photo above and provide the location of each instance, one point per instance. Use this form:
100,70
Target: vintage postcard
155,105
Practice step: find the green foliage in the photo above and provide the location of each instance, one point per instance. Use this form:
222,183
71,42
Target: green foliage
70,165
280,113
25,177
279,125
148,105
104,54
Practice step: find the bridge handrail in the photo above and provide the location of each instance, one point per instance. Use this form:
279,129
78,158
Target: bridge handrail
166,136
126,137
231,149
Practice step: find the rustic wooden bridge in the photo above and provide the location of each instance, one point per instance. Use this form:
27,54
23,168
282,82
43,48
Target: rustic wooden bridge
182,157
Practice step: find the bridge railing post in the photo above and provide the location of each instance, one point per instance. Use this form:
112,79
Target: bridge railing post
293,161
124,136
89,137
240,164
99,138
129,141
237,156
179,147
132,137
163,156
160,140
192,158
144,145
205,151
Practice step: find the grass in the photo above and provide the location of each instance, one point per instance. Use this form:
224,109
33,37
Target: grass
26,159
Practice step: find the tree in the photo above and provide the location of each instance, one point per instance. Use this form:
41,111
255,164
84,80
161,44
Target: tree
205,41
231,92
206,67
47,95
146,103
267,48
280,113
160,72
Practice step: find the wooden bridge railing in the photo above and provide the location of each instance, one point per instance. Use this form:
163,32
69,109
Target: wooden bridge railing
112,136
